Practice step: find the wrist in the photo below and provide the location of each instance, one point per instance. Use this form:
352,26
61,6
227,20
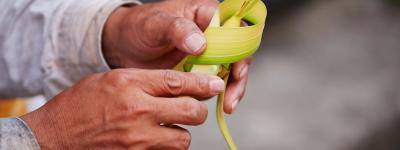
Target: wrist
42,127
111,48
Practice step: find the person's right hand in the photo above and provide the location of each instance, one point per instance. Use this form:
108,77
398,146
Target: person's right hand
125,109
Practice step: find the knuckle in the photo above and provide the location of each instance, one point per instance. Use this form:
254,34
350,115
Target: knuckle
174,82
188,110
178,28
116,78
194,111
134,110
127,138
202,83
141,110
178,23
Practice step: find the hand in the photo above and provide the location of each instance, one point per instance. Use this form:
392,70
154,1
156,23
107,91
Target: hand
124,108
156,35
159,35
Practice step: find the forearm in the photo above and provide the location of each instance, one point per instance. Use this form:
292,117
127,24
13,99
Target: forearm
15,134
46,46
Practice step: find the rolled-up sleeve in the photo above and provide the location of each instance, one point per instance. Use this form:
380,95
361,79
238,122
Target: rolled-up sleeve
15,134
47,45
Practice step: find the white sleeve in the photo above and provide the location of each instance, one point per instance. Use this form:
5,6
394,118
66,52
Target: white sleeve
47,45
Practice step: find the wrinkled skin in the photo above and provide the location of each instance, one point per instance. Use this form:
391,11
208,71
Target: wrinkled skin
159,35
125,109
135,108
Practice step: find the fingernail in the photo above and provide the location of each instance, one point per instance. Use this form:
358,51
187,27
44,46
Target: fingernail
195,42
234,104
217,85
243,72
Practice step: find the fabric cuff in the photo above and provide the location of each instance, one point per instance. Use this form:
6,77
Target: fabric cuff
75,50
16,134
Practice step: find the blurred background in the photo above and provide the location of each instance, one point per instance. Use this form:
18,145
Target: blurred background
326,77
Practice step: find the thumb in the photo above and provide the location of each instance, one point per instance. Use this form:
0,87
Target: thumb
183,33
187,36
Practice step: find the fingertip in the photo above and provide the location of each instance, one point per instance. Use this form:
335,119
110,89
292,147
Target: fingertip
234,93
216,85
195,43
228,108
228,99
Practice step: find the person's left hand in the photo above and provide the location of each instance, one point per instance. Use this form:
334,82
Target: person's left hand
159,35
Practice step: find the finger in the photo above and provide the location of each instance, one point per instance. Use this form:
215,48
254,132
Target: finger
173,137
187,36
234,93
240,69
204,12
183,110
174,83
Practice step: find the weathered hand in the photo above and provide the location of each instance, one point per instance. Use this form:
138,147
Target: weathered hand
124,109
156,35
159,35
